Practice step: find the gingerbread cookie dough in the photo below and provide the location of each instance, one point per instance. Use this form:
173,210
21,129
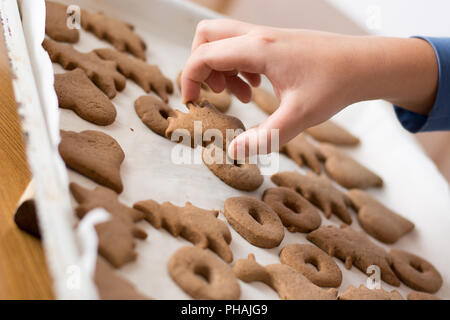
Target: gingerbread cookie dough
364,293
120,34
95,155
197,225
381,223
245,176
209,118
202,275
76,92
154,113
421,296
289,283
255,221
112,286
265,100
347,171
302,152
26,218
147,76
415,272
313,263
318,190
102,73
354,247
56,23
222,100
116,236
331,132
296,213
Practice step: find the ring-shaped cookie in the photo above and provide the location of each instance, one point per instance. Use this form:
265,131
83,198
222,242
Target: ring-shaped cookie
314,263
415,272
154,113
246,176
296,213
255,221
202,275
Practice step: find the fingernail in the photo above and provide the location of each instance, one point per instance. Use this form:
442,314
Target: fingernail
231,149
236,150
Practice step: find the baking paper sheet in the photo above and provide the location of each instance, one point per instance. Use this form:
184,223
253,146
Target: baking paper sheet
413,186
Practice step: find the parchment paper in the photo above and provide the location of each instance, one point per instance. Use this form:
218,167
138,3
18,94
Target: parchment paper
413,185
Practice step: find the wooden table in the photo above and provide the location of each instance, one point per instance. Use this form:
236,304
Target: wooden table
23,272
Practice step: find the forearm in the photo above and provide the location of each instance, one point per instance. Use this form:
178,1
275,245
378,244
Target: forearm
401,71
316,74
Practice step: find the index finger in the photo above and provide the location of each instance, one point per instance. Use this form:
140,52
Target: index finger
230,54
218,29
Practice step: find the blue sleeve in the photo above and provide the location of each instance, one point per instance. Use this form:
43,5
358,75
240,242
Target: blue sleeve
439,117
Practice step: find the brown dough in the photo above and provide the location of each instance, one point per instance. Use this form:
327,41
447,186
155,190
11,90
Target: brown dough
354,247
377,220
318,190
120,34
112,286
255,221
202,275
210,118
153,113
347,171
415,272
197,225
147,76
331,132
313,263
56,23
95,155
265,100
26,218
76,92
286,281
296,213
302,152
222,100
245,176
116,236
364,293
102,73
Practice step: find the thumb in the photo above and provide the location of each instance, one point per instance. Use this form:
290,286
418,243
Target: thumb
280,127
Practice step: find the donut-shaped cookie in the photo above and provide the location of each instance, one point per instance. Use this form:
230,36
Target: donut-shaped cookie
153,113
255,221
314,263
202,275
296,213
246,177
415,272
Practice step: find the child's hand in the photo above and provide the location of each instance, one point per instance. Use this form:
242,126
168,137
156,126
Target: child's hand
314,74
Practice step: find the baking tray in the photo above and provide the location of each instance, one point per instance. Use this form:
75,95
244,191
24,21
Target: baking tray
413,185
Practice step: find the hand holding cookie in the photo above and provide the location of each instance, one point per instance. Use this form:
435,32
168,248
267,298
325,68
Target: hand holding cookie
314,74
